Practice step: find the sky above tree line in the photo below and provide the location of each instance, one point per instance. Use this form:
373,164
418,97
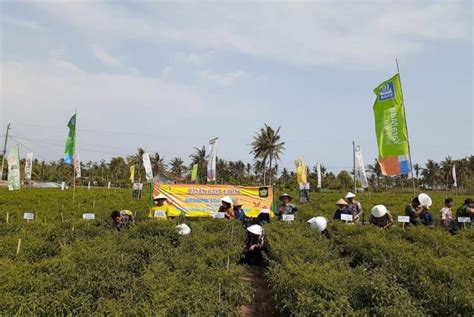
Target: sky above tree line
170,76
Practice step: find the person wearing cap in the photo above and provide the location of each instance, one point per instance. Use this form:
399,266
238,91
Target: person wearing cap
286,208
160,207
341,205
381,217
226,207
239,213
255,245
321,224
354,206
418,210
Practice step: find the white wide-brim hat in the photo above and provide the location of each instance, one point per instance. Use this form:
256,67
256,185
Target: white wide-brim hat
227,199
350,195
255,229
183,229
264,211
425,200
160,196
379,211
319,223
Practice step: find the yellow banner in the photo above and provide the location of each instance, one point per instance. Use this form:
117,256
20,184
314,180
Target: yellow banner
197,200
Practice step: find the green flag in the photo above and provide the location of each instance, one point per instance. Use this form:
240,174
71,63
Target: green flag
194,172
69,150
14,169
391,129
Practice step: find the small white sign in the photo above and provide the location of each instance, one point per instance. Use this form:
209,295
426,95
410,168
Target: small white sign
464,219
288,218
28,216
218,215
159,214
108,185
405,219
63,185
346,217
88,216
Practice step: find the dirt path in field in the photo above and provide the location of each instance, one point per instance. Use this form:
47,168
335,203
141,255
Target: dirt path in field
260,306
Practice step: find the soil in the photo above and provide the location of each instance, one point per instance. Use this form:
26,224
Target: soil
260,306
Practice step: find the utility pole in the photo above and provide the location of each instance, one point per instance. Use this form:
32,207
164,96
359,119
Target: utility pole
4,150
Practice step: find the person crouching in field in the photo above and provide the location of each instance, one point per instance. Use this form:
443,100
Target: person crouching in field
121,219
286,208
238,212
341,209
466,210
160,209
381,217
418,210
321,224
226,207
446,215
255,245
355,206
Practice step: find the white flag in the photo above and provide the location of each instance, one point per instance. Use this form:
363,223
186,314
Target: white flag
147,166
211,160
28,165
360,167
455,182
14,169
318,171
77,165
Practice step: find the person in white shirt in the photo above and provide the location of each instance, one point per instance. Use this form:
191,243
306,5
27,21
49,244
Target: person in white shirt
446,215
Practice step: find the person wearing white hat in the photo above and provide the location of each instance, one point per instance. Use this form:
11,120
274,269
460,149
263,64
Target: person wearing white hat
255,245
161,209
418,210
226,207
381,217
183,229
321,224
263,217
286,208
354,206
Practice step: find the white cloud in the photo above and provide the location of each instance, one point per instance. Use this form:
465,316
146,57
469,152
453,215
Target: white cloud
194,58
222,79
19,22
105,57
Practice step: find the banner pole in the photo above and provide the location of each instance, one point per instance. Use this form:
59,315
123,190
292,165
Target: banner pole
73,160
406,129
354,166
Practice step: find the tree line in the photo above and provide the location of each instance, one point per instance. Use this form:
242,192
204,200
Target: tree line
266,149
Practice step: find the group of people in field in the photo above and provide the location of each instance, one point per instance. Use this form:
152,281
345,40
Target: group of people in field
418,212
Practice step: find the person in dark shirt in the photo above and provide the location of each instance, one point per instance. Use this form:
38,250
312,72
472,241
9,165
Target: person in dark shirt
417,209
381,217
286,208
255,245
239,213
341,209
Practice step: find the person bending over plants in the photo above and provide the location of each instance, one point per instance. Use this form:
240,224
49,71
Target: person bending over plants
381,217
418,210
255,245
121,219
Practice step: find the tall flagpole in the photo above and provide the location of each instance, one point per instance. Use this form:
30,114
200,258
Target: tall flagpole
406,129
73,158
354,166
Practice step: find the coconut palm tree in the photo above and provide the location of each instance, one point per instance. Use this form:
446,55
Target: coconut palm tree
177,167
266,146
158,164
199,158
431,173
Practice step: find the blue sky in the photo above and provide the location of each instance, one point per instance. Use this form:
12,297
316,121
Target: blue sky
170,76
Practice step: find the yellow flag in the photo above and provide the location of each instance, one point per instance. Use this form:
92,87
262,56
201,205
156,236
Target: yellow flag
301,174
132,173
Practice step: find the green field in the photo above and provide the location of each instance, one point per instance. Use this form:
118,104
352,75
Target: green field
67,265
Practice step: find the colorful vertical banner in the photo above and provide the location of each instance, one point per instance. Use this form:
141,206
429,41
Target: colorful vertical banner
77,165
301,171
361,174
194,172
28,166
211,161
318,172
70,147
391,129
455,179
147,166
132,173
14,169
